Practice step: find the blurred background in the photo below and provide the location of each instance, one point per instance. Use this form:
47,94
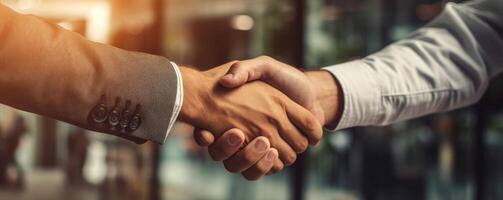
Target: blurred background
453,155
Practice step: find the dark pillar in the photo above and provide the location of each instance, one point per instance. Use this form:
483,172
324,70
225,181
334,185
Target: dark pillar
479,154
300,167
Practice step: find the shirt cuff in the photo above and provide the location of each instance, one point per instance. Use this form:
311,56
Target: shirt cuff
178,101
362,100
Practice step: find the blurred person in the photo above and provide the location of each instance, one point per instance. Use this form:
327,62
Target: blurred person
11,174
57,73
444,65
77,144
125,166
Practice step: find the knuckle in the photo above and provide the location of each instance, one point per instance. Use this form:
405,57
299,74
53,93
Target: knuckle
237,65
273,121
265,58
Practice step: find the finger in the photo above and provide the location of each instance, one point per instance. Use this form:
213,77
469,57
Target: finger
248,156
297,141
277,167
286,154
203,138
227,144
245,71
305,121
263,166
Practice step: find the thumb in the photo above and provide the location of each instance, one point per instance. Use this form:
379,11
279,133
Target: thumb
244,71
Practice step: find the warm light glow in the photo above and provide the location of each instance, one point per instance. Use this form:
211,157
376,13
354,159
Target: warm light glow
96,14
242,22
28,4
98,20
67,26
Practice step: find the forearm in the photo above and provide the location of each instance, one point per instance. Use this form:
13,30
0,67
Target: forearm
446,65
57,73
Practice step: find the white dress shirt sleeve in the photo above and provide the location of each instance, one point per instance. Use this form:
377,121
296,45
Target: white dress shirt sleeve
443,66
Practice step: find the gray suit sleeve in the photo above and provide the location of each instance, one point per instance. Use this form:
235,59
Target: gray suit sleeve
57,73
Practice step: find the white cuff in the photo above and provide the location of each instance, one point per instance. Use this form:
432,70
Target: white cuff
179,99
361,94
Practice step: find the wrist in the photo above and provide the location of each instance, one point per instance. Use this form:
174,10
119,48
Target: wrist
192,94
328,95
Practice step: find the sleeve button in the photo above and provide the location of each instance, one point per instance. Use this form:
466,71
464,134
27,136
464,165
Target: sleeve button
125,117
100,112
114,117
136,120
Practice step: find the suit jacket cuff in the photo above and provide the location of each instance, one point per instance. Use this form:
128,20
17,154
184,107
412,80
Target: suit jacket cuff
178,102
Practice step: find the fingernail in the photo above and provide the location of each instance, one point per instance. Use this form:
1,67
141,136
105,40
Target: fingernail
271,156
234,140
260,146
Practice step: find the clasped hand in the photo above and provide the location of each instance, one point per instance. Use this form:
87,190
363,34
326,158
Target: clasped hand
261,126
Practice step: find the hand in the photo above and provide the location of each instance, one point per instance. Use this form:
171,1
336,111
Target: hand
252,162
318,91
256,108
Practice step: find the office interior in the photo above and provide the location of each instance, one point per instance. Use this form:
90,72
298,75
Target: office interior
453,155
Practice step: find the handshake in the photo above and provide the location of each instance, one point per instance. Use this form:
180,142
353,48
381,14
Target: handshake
257,115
